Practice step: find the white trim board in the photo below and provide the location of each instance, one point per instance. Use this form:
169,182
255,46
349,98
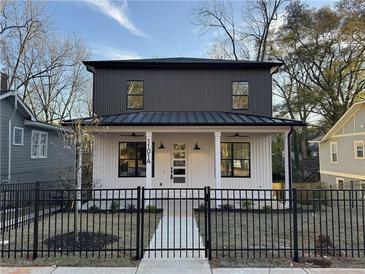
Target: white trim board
199,129
340,174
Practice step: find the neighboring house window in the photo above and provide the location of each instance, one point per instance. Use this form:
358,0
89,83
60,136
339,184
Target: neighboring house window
132,159
334,152
235,159
135,94
18,136
39,144
68,141
340,183
240,95
359,149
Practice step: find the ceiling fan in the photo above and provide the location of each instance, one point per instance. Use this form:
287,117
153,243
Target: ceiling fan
236,135
133,135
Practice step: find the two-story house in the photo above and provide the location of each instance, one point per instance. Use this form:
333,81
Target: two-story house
184,123
342,150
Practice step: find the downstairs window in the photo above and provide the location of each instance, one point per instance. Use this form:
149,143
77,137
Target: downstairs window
235,159
132,159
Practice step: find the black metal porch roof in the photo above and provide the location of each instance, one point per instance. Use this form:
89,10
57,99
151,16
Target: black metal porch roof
184,118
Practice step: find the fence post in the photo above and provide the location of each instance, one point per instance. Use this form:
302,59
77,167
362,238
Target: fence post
208,231
142,223
36,216
138,222
295,225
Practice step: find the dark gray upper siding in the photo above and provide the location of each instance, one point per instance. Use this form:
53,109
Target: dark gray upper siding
182,89
60,161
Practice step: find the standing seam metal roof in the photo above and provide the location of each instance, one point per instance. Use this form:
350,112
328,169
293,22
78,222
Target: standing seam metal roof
186,118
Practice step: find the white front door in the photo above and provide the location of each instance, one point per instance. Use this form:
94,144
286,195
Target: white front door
179,162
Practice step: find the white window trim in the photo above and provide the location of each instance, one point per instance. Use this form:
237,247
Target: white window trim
331,152
343,182
355,150
38,156
22,142
67,141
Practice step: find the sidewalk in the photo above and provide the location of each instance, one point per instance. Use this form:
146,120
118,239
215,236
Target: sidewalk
183,266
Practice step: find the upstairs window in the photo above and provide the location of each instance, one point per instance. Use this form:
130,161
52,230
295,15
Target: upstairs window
359,150
135,94
240,95
334,152
235,159
39,144
18,136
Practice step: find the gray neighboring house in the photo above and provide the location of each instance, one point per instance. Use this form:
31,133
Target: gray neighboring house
342,150
38,151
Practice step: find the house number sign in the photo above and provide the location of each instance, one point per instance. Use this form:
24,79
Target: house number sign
148,151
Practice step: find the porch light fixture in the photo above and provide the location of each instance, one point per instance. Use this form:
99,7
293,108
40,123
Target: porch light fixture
161,146
196,147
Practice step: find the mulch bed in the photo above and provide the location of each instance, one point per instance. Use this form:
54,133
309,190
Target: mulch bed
85,241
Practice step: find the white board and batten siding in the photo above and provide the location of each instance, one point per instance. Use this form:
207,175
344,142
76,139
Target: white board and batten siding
200,163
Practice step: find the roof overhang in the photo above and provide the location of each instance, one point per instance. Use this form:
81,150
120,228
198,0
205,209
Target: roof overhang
24,108
197,119
343,120
46,126
181,63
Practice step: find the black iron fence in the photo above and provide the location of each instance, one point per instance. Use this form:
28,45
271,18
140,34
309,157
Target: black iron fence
201,222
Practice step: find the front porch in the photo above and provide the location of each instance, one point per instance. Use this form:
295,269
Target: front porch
185,157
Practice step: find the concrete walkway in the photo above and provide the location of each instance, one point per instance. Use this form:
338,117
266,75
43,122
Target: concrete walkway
180,232
168,266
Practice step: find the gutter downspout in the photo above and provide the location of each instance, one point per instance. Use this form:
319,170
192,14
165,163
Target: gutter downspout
10,133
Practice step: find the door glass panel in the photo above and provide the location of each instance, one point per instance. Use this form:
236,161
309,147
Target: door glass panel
179,151
179,180
179,163
179,171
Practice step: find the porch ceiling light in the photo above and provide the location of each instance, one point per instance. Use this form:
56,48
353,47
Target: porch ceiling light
161,146
196,147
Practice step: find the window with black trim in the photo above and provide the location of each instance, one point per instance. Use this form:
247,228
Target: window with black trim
132,159
235,159
135,94
240,95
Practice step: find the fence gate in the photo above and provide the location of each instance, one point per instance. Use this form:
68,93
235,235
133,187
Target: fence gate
174,223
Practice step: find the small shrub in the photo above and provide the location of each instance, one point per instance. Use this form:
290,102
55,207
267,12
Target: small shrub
114,206
151,208
94,208
10,205
226,206
247,204
267,207
323,242
131,207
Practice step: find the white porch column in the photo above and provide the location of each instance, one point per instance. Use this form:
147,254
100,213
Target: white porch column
287,159
148,159
217,169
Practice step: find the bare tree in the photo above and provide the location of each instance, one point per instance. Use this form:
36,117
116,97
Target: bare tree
250,36
48,68
260,17
219,16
